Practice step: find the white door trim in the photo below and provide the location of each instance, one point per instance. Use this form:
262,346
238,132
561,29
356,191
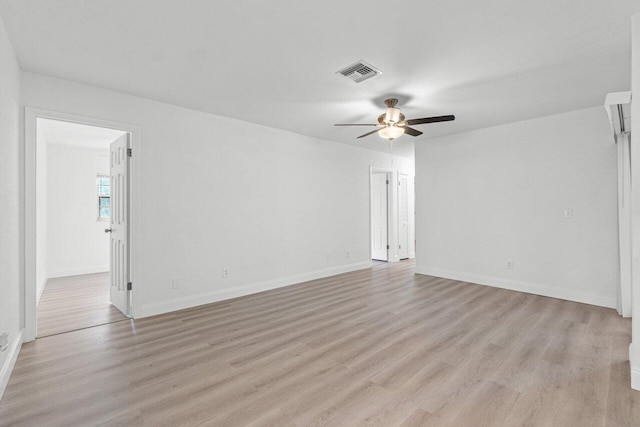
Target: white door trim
624,224
30,117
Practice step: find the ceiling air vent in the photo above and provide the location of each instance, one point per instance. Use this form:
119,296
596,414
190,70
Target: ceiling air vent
359,72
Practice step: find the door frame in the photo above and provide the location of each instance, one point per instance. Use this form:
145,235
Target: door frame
389,173
31,115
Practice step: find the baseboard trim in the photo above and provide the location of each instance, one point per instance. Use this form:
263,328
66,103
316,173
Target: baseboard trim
635,379
79,271
10,361
515,285
239,291
635,371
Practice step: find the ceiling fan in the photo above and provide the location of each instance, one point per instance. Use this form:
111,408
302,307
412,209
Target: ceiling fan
392,124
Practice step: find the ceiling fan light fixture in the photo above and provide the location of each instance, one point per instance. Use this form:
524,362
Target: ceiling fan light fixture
393,115
391,132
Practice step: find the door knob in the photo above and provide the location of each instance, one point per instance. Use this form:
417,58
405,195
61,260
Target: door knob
107,230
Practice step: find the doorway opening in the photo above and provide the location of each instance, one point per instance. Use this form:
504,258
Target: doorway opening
77,186
380,215
391,215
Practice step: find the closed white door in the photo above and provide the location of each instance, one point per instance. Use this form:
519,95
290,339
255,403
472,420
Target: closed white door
403,216
119,226
379,184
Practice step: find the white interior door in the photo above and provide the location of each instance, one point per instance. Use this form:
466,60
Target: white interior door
403,216
119,226
379,239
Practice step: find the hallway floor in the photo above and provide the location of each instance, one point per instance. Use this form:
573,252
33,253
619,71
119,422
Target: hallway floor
76,302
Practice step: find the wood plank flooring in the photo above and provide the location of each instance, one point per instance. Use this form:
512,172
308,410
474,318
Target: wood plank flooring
379,346
75,302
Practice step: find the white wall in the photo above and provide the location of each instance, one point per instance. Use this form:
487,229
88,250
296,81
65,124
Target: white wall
499,194
271,206
10,222
77,243
634,354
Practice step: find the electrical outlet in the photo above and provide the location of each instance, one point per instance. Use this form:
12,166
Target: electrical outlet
568,214
175,283
225,273
348,254
509,265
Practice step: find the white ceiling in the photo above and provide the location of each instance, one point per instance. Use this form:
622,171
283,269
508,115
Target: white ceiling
273,62
77,135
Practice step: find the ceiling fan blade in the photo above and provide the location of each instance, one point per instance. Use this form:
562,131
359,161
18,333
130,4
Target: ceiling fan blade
430,120
412,131
356,124
369,133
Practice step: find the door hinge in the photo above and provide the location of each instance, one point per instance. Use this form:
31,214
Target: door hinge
129,286
387,246
399,246
129,152
387,182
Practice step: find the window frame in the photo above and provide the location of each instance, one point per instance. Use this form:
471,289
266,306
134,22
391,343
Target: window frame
98,177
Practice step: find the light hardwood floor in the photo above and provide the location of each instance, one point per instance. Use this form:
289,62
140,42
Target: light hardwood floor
75,302
380,346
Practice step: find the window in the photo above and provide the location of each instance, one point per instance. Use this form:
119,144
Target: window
104,197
